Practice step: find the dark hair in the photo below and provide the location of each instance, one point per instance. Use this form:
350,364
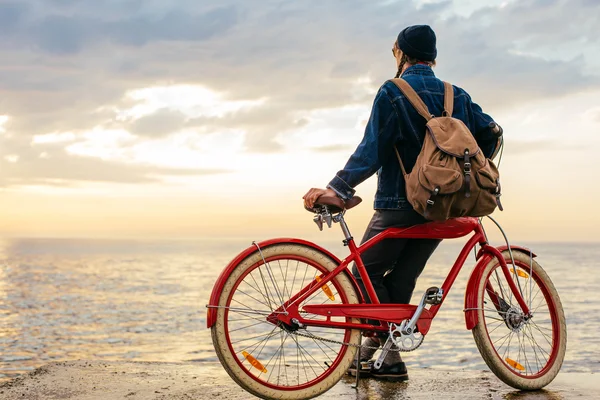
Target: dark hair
411,60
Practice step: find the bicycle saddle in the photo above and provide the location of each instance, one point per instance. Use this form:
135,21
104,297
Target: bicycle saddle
334,204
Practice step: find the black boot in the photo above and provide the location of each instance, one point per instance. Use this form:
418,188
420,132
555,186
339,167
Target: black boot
394,373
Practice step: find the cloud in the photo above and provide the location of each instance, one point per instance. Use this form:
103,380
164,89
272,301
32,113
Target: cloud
159,124
49,164
65,33
262,124
70,170
67,65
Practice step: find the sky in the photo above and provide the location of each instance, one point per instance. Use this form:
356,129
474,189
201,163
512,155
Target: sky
195,118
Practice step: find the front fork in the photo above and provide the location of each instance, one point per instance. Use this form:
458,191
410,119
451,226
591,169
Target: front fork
486,255
511,283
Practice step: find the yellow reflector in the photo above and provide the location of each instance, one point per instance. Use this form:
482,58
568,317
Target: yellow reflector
326,289
254,362
520,273
515,364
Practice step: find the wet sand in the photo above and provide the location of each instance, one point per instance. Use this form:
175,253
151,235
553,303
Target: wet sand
93,380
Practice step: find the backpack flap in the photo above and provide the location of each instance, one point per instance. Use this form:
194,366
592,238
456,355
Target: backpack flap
486,178
445,180
431,191
452,136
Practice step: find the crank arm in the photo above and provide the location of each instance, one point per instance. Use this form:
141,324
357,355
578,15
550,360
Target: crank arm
384,351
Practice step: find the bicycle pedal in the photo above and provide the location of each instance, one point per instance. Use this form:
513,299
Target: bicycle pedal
366,365
434,295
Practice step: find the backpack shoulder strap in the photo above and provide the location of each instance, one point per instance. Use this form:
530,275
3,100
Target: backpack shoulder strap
448,99
413,97
400,161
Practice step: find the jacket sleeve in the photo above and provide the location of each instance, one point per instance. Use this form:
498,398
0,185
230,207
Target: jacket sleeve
380,135
479,124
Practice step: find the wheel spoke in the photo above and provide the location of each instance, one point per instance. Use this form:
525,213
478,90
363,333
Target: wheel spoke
271,359
304,352
502,290
535,350
250,338
540,304
319,346
510,334
548,338
497,326
264,295
248,309
267,291
294,280
505,337
532,338
253,298
255,345
249,326
285,292
496,319
536,295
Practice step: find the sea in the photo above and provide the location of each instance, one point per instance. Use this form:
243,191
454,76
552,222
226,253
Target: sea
145,300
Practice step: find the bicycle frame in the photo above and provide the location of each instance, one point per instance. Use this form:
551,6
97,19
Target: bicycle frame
396,313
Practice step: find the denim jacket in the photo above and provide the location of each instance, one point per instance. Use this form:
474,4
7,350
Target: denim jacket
394,122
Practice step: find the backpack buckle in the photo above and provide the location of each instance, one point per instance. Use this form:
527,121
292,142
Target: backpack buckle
467,165
435,192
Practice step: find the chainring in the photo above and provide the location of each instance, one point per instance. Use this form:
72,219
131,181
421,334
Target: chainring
403,341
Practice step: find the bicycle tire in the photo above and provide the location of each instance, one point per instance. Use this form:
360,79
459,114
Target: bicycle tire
249,378
543,364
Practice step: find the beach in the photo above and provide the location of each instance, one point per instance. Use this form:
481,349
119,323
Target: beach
93,380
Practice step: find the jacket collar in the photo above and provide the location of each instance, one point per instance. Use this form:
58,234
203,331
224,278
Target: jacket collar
419,69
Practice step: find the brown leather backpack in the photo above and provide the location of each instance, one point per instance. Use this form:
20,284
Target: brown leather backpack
451,177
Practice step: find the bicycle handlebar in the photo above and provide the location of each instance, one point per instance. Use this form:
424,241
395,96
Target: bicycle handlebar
496,129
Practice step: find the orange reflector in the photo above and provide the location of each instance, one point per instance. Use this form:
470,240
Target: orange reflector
326,289
520,273
515,364
254,362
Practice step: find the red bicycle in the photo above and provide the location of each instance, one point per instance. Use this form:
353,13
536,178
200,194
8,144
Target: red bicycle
286,315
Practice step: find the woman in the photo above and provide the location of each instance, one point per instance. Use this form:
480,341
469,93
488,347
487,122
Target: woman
394,265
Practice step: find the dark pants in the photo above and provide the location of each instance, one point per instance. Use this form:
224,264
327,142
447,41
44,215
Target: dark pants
394,265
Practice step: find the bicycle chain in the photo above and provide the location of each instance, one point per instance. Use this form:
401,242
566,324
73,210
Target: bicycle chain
311,336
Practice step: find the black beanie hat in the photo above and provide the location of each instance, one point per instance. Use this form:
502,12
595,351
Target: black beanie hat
418,41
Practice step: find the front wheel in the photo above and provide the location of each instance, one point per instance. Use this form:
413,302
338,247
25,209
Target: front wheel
525,353
273,360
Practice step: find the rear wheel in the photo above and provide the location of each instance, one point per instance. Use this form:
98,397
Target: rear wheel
524,353
278,361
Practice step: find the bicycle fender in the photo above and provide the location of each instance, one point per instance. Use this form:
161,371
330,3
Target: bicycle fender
471,316
522,249
211,316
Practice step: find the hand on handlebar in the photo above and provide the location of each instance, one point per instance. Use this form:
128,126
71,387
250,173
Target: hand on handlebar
313,195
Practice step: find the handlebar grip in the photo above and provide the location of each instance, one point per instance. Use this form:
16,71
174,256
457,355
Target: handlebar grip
496,129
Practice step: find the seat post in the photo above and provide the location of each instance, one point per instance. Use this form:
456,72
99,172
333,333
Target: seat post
347,235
